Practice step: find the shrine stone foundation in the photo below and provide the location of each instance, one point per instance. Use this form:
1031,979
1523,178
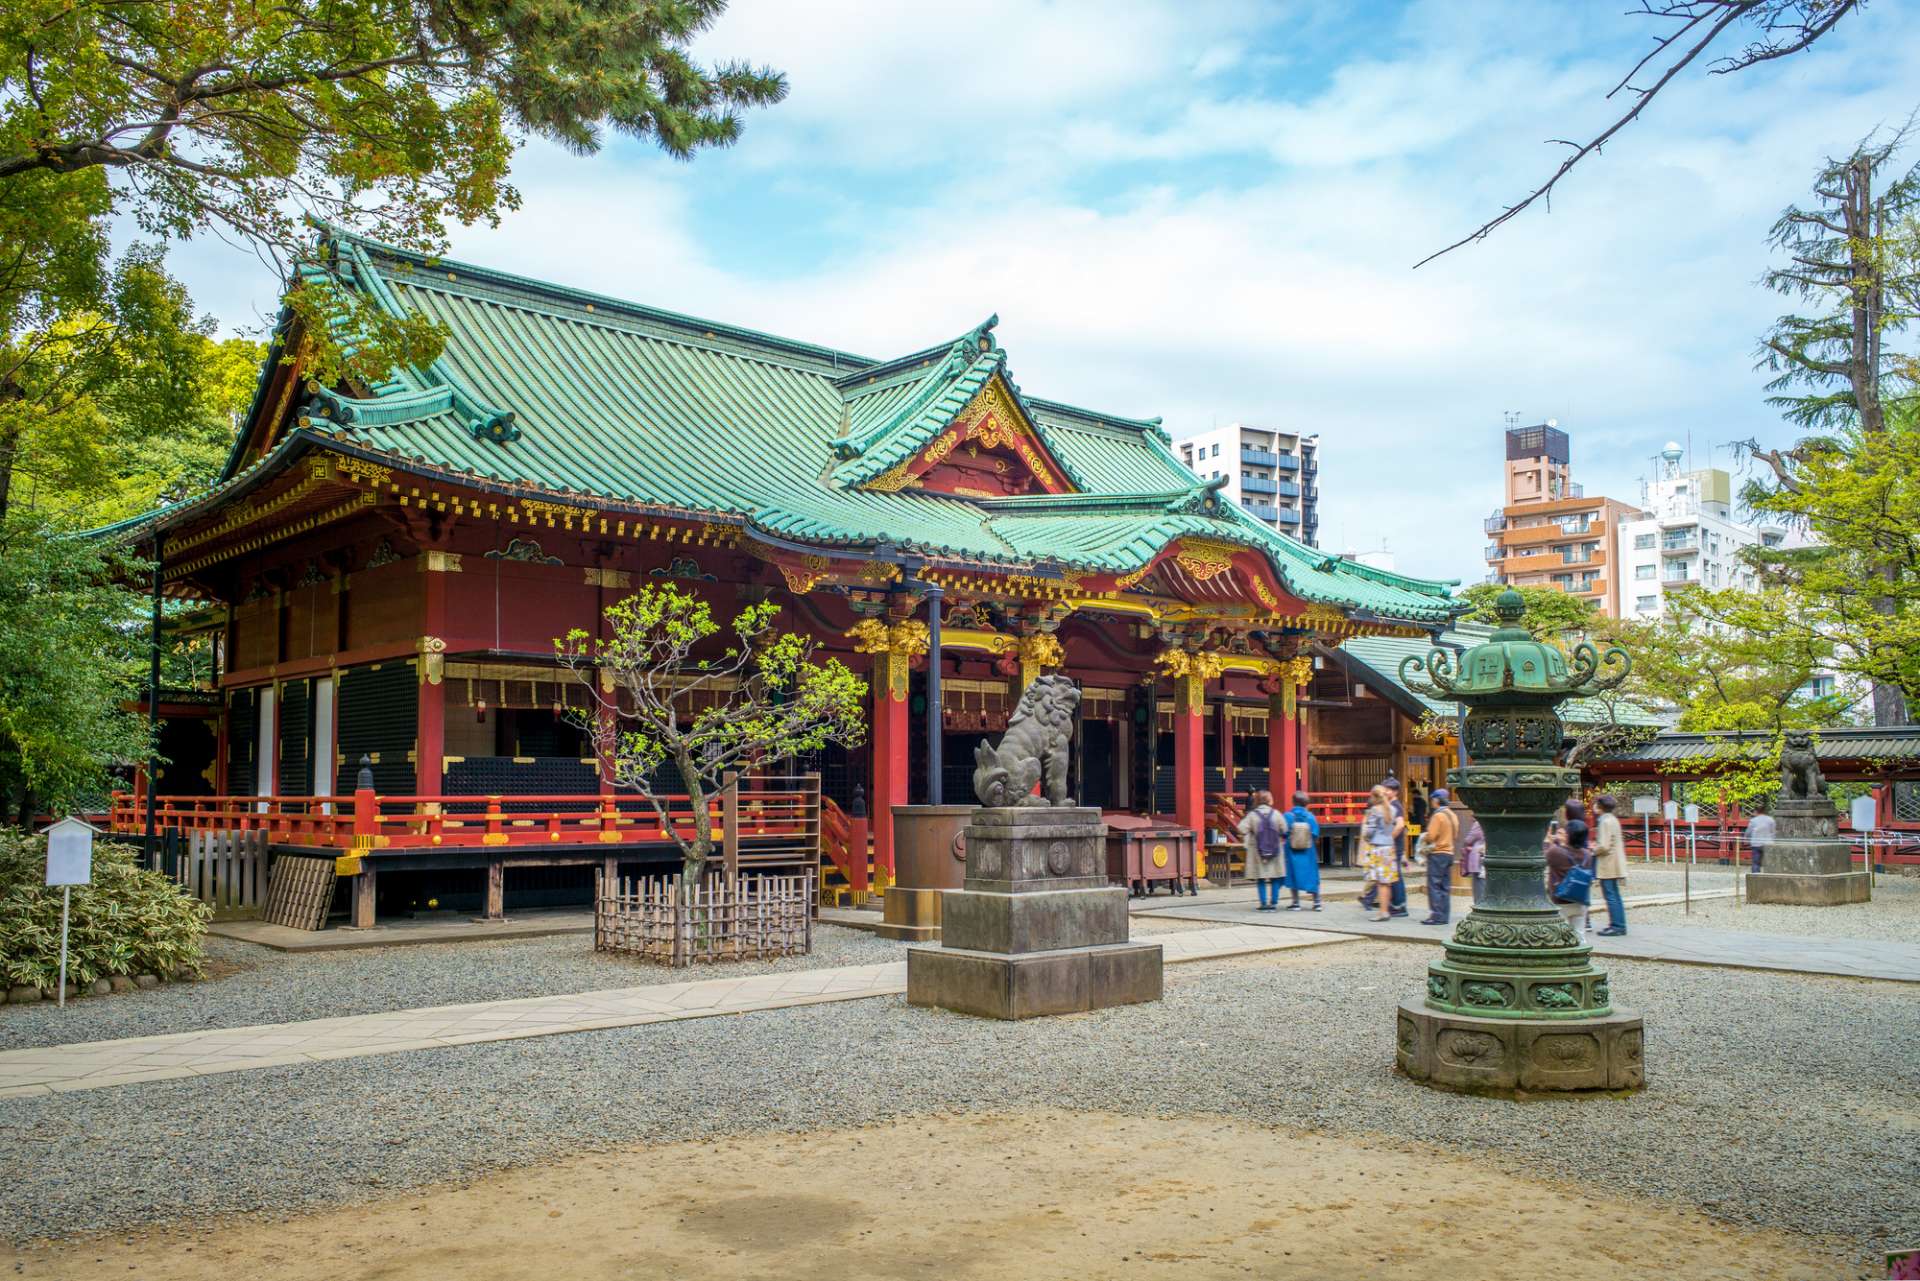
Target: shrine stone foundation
1808,864
1036,928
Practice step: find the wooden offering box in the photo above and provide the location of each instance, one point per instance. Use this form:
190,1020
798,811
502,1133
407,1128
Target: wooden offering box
1143,855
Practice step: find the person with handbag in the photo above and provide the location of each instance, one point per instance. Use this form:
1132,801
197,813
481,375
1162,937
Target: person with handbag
1378,832
1261,837
1439,836
1610,865
1303,852
1570,876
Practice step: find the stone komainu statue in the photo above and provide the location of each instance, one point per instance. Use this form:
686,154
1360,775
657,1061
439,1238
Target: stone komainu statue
1800,776
1033,749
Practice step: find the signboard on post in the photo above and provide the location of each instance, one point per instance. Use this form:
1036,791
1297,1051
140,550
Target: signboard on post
1863,813
70,852
69,863
1646,805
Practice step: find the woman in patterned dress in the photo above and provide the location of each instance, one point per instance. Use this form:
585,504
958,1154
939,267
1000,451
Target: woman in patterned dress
1376,833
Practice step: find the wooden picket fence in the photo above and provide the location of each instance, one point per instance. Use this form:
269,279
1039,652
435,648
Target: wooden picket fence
751,919
225,869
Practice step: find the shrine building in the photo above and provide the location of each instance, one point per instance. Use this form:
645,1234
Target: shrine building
383,570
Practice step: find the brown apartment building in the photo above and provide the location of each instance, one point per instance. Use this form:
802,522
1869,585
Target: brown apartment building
1550,534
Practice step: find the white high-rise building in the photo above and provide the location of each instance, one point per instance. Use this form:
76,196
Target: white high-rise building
1685,534
1274,475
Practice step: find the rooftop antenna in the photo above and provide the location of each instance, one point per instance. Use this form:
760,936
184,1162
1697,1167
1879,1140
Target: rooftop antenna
1513,417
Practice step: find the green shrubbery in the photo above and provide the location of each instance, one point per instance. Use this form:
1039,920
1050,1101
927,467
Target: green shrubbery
128,921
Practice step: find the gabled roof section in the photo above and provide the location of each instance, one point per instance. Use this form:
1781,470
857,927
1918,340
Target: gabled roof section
1376,660
589,400
896,413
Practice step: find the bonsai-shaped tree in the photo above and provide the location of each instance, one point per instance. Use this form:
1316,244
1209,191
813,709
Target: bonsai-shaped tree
760,698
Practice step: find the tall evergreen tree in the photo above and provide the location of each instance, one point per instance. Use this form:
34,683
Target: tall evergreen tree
1853,261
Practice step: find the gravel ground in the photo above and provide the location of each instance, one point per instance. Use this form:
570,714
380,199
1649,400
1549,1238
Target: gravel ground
1775,1100
1893,915
278,987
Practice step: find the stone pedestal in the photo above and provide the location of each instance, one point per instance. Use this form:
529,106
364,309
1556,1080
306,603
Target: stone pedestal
1807,864
1036,929
1506,1056
930,858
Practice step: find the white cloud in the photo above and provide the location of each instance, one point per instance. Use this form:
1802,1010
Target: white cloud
1166,227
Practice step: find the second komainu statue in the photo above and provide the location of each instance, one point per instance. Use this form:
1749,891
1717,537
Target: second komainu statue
1033,750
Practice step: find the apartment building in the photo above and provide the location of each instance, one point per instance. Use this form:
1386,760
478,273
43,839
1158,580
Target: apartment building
1548,533
1274,475
1685,534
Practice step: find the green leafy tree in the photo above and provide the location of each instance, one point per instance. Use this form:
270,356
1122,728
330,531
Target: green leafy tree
389,117
72,647
1551,614
680,699
1741,688
116,410
1853,259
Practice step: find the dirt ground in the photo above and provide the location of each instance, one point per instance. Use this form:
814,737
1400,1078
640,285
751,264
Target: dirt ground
1010,1196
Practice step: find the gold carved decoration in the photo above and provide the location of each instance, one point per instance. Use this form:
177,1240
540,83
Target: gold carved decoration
1191,670
1038,652
1127,580
440,562
1262,592
895,479
879,571
800,581
536,510
894,648
1069,580
362,470
1205,558
608,577
433,659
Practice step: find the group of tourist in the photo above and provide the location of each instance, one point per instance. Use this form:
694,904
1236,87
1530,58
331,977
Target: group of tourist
1283,851
1580,854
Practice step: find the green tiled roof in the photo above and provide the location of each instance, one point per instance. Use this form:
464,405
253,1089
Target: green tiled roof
1840,743
1379,658
592,397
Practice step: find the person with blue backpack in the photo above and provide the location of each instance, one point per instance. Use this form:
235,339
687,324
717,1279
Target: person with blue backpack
1303,852
1570,876
1261,836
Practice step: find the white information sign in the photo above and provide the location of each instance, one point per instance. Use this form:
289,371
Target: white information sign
1862,813
1673,810
69,863
70,852
1693,813
1646,804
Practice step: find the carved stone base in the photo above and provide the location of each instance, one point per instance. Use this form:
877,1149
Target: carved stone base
1037,930
1809,890
997,985
910,915
1810,866
1509,1057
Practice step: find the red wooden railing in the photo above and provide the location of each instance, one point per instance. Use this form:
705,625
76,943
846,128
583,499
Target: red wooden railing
1227,808
843,839
781,816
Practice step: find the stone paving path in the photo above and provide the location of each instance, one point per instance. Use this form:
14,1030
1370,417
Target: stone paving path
1849,958
95,1064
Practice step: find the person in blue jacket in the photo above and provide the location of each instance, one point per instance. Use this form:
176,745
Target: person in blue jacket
1301,841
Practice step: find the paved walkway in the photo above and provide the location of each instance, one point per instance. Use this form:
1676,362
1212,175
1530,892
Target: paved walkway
1797,954
94,1064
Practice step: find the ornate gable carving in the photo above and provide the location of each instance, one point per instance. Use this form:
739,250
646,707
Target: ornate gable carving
989,450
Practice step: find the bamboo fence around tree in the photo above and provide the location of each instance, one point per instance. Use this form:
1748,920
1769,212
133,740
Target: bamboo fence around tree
750,919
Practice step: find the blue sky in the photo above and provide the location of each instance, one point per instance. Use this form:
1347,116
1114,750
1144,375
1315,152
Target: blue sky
1209,211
